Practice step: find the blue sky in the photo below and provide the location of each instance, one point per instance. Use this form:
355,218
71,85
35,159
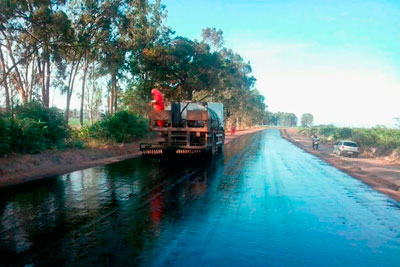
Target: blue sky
339,60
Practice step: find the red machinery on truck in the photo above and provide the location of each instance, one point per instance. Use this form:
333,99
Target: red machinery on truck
187,128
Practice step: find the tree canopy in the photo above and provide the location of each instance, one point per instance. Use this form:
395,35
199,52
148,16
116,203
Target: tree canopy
307,120
284,119
120,50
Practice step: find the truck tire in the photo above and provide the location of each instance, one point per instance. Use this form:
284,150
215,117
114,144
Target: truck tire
223,142
214,148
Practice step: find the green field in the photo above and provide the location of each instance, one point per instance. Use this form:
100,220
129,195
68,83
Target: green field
74,122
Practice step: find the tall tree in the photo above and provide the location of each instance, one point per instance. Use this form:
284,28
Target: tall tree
287,119
112,50
213,37
182,68
273,119
32,32
307,120
4,80
146,35
93,95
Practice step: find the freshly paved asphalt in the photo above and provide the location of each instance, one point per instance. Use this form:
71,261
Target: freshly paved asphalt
264,202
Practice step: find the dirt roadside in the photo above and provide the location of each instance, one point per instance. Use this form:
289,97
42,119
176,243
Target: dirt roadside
382,175
17,169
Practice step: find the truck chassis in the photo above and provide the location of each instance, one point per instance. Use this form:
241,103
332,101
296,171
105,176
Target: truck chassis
198,132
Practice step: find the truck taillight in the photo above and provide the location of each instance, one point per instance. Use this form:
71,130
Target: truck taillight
342,147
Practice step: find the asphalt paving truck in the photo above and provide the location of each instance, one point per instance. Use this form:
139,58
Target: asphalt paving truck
187,128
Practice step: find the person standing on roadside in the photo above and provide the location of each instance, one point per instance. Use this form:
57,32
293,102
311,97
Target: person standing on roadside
315,142
233,129
312,141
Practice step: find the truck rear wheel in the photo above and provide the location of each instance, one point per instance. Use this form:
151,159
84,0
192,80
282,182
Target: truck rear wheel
223,142
214,148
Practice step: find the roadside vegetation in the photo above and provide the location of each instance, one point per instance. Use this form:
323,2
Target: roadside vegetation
283,119
121,127
110,54
32,128
378,141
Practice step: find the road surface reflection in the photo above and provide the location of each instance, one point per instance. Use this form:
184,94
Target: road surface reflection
263,202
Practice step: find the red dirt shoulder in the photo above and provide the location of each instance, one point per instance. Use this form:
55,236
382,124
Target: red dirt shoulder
382,176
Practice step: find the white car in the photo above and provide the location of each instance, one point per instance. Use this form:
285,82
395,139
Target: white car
345,147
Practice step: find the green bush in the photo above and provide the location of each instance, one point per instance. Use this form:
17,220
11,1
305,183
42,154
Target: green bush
5,136
343,133
120,127
328,130
366,138
28,136
55,127
72,141
32,129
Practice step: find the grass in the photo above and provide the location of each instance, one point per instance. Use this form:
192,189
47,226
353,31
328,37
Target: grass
75,122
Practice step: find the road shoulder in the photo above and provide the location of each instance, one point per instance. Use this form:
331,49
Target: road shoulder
382,176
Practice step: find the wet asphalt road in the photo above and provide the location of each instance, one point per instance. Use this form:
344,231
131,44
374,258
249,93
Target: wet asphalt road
264,202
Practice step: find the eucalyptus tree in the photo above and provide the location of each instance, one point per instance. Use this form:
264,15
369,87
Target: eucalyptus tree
93,95
236,85
32,32
213,37
286,119
66,74
112,50
10,66
272,118
145,34
91,19
4,83
182,68
255,108
307,120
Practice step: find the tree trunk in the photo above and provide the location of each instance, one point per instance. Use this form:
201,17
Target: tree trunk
67,107
90,106
46,77
110,102
26,81
112,96
83,91
47,102
90,97
7,90
32,80
189,94
40,70
70,89
43,84
115,95
19,83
